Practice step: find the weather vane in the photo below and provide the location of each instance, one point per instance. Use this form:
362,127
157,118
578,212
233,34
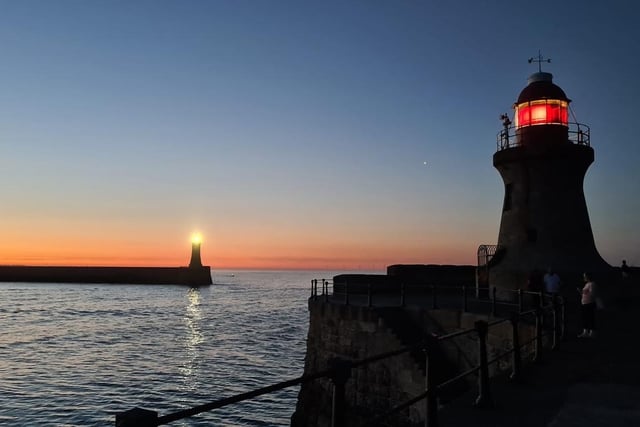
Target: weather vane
539,60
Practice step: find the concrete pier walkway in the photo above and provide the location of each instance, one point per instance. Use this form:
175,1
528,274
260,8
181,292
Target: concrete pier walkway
586,382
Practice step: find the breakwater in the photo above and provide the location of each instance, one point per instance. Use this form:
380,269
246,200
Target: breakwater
193,276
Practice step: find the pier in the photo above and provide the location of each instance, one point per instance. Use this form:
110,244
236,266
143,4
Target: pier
194,275
117,275
544,376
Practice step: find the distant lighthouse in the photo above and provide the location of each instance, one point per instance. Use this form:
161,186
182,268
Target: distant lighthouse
543,159
196,242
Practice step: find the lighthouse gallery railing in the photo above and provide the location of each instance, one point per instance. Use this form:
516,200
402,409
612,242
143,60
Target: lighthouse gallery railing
578,134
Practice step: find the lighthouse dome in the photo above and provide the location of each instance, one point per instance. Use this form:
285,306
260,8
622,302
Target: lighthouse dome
541,86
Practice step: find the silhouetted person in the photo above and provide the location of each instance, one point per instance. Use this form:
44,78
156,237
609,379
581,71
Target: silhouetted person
588,307
552,282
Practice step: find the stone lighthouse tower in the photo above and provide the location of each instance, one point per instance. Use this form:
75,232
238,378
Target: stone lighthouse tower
542,159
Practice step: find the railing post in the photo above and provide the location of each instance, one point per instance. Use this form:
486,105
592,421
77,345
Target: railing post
537,358
493,301
519,300
540,299
369,295
517,358
563,322
339,377
312,280
434,297
555,323
402,290
325,287
464,298
137,417
346,292
431,418
484,390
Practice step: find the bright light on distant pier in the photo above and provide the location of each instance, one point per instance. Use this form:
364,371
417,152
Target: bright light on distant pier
196,238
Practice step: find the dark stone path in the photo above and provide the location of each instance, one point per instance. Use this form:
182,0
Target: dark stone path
586,382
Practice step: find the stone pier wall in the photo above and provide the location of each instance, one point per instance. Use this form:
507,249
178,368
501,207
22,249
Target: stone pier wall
355,333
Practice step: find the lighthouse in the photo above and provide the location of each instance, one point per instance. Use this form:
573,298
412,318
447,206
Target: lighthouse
542,158
196,242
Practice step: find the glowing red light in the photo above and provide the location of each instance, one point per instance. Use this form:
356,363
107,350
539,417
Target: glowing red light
543,112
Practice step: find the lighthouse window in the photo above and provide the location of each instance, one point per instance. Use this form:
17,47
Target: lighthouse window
553,113
542,112
538,114
508,189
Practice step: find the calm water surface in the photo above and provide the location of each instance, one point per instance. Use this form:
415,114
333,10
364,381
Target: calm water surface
74,355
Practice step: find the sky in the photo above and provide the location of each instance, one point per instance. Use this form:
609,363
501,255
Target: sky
295,134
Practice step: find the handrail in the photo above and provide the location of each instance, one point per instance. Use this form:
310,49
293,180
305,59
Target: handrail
474,369
185,413
387,355
459,376
374,421
339,372
366,294
578,133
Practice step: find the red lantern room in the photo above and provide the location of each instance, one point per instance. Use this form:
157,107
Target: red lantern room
541,103
541,118
541,112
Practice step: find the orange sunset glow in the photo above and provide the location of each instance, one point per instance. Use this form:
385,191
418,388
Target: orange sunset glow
261,252
298,238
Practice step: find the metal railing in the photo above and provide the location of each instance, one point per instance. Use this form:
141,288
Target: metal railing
483,400
578,133
432,295
486,253
340,370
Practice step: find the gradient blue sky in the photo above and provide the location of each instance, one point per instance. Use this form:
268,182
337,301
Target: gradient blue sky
293,134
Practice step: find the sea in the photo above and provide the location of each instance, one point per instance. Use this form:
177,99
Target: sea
77,354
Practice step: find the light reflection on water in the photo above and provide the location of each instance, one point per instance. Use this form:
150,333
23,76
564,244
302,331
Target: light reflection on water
193,339
75,355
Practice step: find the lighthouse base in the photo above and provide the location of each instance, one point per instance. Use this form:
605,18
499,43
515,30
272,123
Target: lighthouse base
513,270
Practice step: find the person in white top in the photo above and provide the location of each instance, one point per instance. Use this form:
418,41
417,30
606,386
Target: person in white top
588,307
